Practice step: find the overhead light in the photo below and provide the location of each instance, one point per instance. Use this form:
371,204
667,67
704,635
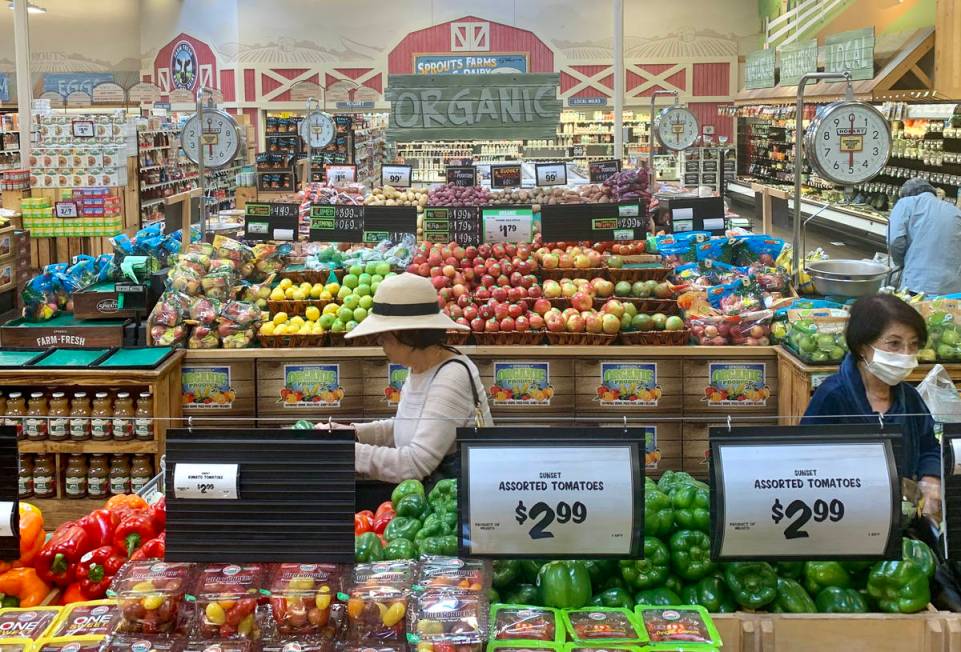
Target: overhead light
31,8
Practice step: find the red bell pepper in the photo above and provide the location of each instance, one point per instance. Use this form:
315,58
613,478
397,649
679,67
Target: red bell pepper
158,512
100,525
363,522
386,506
96,570
156,548
382,521
73,593
56,559
134,529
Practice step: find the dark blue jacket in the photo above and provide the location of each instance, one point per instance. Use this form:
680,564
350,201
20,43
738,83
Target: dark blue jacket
844,394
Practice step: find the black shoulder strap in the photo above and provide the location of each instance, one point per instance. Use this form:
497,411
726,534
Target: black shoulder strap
470,377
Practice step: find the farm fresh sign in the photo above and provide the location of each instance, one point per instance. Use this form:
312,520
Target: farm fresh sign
456,107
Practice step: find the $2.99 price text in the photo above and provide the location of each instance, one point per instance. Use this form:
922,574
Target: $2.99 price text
798,513
543,516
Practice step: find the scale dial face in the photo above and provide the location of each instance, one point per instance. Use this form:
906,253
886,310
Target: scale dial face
317,129
848,143
677,128
220,136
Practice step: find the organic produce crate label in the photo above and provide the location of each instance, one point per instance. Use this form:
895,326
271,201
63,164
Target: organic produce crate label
313,385
396,375
207,387
805,501
521,383
537,500
628,384
737,384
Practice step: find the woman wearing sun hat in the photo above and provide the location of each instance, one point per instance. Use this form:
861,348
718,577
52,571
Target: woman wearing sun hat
442,392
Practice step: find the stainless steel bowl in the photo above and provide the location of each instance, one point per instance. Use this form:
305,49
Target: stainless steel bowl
847,278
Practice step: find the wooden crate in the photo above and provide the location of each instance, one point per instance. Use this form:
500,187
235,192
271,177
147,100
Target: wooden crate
668,440
587,377
739,631
376,405
697,379
65,334
277,379
876,632
560,403
98,305
236,378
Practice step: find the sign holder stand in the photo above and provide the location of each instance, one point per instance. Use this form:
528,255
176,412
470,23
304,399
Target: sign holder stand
9,494
951,489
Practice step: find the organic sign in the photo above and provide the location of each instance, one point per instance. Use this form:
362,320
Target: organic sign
507,223
797,60
461,224
345,223
628,384
314,385
454,107
652,454
759,72
206,388
737,384
851,51
521,383
396,375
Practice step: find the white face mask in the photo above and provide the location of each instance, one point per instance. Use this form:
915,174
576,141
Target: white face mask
891,368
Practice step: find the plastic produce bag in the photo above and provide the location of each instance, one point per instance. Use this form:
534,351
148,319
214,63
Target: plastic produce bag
940,395
41,297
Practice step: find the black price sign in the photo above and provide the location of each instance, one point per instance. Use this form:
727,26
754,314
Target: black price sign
263,221
505,176
601,171
362,223
598,222
461,224
462,175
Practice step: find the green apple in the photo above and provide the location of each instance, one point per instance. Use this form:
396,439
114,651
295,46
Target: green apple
351,280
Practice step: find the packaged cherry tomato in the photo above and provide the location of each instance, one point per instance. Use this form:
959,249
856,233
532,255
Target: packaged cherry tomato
451,572
377,614
687,624
151,595
379,647
598,647
446,616
301,598
95,618
522,623
399,574
32,623
608,624
126,643
300,644
69,644
221,645
227,596
524,646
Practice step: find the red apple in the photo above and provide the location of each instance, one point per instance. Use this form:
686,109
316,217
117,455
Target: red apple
491,326
513,295
565,261
435,259
541,306
610,324
482,294
581,301
412,268
484,250
487,281
570,312
499,293
459,252
535,292
423,269
592,323
614,307
537,322
477,325
498,250
470,252
555,323
594,258
419,259
460,290
510,249
463,322
485,312
507,324
515,311
500,311
576,324
470,312
438,281
479,270
455,311
516,278
494,270
507,267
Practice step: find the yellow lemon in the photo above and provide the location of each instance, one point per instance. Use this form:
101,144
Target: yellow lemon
277,294
333,288
325,296
313,313
280,329
299,295
316,291
305,330
297,321
289,293
267,329
316,329
280,318
331,308
285,283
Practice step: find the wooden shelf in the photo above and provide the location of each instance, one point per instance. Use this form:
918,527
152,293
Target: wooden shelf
88,446
60,510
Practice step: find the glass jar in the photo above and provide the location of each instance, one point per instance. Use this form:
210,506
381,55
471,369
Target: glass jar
119,475
59,423
75,483
101,416
25,479
98,476
80,417
35,422
16,410
141,471
123,417
143,419
44,477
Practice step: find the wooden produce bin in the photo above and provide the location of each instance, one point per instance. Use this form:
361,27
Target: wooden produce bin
379,375
163,382
932,631
310,387
63,331
695,440
217,386
739,631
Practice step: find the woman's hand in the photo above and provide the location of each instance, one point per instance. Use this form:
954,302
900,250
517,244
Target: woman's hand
332,425
930,487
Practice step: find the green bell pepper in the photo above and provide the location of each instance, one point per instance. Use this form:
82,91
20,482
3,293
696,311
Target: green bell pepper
402,527
659,597
692,508
818,575
614,582
649,484
504,572
674,583
673,479
600,570
412,506
792,598
613,598
400,549
650,572
406,488
753,583
899,586
710,593
658,513
523,594
367,548
564,584
437,525
691,554
445,546
839,600
493,596
790,569
443,497
920,554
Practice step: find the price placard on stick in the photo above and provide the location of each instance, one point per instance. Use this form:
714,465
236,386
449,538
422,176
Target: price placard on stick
505,176
507,223
558,493
551,174
397,176
598,222
460,224
601,171
805,492
462,175
270,221
372,224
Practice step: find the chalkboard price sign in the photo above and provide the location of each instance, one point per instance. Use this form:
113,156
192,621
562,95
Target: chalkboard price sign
460,224
505,176
597,222
462,175
362,223
601,171
268,221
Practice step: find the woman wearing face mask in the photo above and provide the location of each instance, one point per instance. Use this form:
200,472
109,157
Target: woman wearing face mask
883,336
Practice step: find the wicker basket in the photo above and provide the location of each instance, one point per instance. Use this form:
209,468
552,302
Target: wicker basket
648,306
458,338
292,341
656,338
558,273
514,338
579,339
635,274
561,303
311,276
338,339
292,307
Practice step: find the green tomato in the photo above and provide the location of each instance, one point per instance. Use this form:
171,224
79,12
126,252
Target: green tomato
836,353
819,356
949,337
825,342
808,344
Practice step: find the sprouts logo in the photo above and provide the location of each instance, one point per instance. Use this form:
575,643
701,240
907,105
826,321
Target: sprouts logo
183,66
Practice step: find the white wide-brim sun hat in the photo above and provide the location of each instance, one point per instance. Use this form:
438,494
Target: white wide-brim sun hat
402,303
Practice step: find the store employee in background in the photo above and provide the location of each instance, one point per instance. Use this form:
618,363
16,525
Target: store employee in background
442,393
924,237
884,335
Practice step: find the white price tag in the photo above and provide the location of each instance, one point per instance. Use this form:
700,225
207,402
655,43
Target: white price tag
804,500
551,174
551,500
206,481
956,449
6,519
506,226
341,173
284,234
397,176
